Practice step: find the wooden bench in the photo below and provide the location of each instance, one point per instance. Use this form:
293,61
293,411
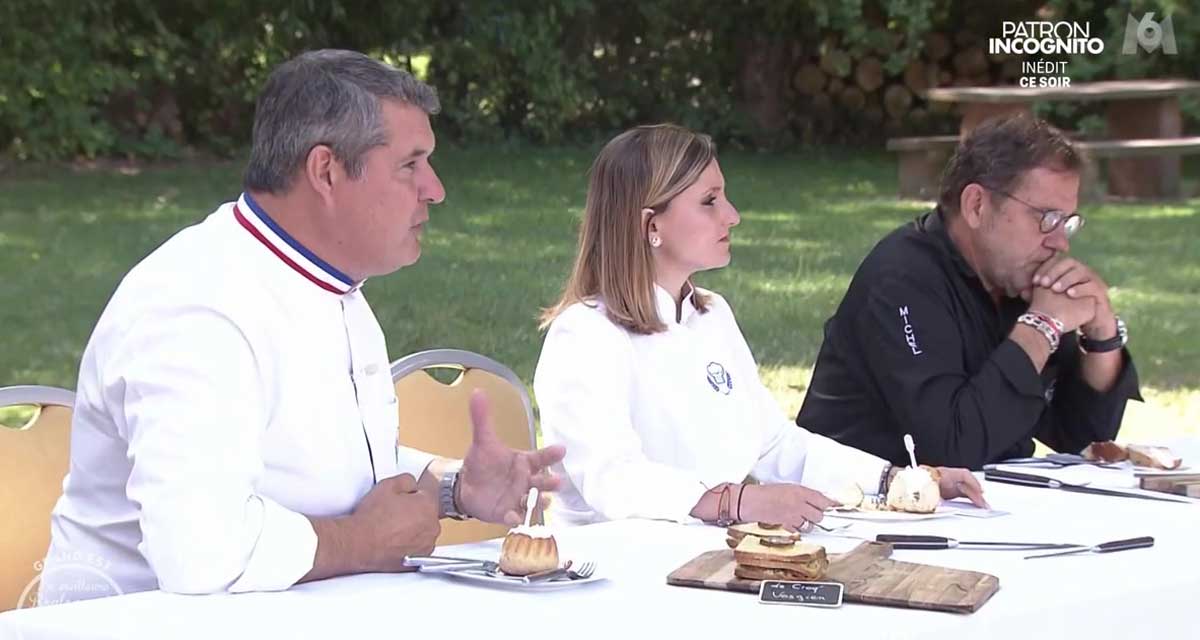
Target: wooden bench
1135,110
921,163
922,160
1133,179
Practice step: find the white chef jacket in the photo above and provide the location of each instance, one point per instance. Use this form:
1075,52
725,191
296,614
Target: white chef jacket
650,422
234,384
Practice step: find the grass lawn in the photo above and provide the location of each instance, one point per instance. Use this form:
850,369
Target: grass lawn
500,247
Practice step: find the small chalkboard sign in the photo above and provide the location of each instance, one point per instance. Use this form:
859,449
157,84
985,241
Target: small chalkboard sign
810,594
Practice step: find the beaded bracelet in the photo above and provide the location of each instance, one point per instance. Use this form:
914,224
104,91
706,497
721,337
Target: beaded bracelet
723,519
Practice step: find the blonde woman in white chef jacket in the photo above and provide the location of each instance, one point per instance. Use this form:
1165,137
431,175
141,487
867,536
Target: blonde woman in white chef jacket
648,380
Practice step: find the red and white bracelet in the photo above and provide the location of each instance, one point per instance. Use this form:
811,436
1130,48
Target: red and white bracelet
1048,326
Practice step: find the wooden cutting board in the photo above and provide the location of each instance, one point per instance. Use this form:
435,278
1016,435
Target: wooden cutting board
1183,485
869,576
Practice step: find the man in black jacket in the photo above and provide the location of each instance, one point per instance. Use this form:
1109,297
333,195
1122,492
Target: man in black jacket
972,328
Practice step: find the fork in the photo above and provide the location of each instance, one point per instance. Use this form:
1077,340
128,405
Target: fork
584,571
832,529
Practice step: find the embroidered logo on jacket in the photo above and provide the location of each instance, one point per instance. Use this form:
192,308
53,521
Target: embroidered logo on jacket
719,379
909,336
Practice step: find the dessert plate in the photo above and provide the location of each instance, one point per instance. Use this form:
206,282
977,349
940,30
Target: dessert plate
500,580
890,516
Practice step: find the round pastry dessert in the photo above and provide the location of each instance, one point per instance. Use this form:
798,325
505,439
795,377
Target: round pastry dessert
528,550
915,490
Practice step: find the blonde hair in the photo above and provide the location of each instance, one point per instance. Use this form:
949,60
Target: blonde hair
644,167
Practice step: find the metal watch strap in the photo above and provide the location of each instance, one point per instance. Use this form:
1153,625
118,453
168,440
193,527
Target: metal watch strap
885,477
1087,345
447,488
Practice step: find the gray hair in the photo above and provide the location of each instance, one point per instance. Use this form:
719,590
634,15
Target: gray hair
329,97
999,152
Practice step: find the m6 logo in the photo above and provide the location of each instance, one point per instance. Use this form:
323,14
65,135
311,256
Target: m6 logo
1149,34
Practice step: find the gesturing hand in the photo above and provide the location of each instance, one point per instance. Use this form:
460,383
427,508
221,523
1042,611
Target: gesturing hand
495,479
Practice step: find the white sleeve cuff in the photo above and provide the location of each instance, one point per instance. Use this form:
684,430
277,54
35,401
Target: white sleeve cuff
675,501
646,490
831,466
412,461
284,553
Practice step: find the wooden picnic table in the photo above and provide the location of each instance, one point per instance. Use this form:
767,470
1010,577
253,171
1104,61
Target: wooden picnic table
1136,110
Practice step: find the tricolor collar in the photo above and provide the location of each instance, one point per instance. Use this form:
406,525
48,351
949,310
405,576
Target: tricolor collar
255,220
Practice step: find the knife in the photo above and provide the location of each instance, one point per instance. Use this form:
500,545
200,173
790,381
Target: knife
1055,460
900,541
438,564
1031,480
1105,547
549,574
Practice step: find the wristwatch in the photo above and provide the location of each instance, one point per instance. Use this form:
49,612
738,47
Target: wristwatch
885,479
447,487
1087,345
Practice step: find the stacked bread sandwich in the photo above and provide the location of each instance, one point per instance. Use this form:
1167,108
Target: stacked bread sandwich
765,551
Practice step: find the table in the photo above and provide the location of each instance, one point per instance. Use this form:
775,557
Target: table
1137,110
1147,593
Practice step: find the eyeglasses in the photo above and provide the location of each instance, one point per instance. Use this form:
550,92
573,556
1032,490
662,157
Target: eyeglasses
1051,218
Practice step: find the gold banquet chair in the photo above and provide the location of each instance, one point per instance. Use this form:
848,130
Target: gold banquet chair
435,416
35,461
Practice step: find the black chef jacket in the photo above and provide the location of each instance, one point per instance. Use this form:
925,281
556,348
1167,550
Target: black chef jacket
918,346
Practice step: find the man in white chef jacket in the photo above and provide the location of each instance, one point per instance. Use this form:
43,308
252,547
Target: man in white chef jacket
235,427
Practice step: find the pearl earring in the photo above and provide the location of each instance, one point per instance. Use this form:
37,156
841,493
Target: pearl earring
655,241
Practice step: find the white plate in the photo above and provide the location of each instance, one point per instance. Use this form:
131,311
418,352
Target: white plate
892,516
482,577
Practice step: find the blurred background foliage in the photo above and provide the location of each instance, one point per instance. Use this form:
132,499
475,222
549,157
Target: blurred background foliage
167,79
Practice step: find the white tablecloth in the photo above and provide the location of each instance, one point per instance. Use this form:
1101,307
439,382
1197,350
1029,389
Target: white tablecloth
1143,593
